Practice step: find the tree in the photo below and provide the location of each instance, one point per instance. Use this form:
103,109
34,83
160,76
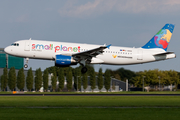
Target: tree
100,79
85,81
61,78
92,78
107,80
69,79
2,82
5,78
123,74
77,78
12,78
29,80
174,78
20,79
54,79
38,79
51,69
45,79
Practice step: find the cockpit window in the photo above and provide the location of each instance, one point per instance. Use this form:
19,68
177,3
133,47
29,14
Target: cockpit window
15,44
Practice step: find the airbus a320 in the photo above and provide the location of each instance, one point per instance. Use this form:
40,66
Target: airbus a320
67,54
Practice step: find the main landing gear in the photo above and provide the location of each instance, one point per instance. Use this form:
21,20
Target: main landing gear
83,70
26,65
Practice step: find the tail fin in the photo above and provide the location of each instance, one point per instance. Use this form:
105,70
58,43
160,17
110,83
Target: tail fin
161,39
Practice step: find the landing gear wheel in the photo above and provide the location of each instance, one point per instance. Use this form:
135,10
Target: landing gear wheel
25,66
83,70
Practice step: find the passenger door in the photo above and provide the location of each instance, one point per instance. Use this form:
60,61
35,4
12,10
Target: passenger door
27,46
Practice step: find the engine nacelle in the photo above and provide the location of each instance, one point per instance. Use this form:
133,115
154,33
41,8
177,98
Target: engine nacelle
64,61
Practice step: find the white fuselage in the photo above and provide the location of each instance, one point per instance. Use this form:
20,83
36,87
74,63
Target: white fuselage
47,50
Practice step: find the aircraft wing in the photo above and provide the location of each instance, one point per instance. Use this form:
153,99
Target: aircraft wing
89,53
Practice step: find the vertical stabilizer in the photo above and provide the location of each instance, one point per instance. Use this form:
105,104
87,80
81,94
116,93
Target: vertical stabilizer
161,39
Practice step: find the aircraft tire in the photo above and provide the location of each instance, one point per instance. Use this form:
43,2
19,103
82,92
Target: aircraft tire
25,66
83,70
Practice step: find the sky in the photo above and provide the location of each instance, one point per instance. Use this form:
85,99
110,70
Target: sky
127,23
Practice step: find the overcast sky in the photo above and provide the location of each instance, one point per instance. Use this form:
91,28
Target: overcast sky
128,23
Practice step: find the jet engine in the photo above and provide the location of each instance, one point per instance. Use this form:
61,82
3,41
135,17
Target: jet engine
64,61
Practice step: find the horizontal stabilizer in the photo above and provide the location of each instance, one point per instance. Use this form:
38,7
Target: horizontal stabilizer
164,53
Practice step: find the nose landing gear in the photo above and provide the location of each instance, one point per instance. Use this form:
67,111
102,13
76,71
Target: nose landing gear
25,65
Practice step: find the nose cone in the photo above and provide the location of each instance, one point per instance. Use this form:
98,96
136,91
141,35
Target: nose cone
7,50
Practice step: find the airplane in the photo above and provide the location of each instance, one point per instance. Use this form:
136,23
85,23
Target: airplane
67,54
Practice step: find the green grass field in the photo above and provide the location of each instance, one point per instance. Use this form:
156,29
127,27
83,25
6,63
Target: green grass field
90,107
89,113
90,101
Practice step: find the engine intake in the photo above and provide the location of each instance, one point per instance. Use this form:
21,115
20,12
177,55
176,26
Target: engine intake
64,61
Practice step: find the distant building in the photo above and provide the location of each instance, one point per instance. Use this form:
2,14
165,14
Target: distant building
115,86
10,61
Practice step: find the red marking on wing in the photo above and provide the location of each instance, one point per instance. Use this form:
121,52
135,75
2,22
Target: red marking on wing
164,43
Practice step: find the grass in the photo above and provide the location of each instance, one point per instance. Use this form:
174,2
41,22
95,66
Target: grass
90,101
90,114
89,107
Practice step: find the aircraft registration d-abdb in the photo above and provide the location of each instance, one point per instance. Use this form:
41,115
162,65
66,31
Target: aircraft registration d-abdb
66,54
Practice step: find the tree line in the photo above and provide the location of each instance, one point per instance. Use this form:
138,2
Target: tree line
156,77
150,77
40,79
58,74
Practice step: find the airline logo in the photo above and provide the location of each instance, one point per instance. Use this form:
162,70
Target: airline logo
114,56
40,46
56,48
162,38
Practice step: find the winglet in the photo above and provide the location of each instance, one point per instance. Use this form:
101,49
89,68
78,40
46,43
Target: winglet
108,46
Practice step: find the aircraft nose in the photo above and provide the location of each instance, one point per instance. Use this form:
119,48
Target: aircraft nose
7,50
